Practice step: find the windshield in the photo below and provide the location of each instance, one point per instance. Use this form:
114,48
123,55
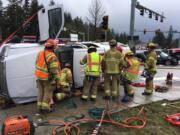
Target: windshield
162,54
55,21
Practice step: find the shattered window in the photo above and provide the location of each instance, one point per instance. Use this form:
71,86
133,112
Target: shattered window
55,21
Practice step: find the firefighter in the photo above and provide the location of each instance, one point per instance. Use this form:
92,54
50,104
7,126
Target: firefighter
92,74
65,83
47,72
111,67
150,68
130,73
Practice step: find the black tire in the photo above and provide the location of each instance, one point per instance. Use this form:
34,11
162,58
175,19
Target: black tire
168,63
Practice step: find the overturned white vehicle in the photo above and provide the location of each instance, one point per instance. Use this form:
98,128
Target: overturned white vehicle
17,61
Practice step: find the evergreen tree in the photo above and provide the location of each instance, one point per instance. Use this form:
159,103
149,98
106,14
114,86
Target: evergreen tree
13,18
123,38
26,14
169,37
160,39
34,8
1,20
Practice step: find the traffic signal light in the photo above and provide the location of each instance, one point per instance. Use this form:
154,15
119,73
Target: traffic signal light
150,14
156,17
142,11
145,31
105,22
161,19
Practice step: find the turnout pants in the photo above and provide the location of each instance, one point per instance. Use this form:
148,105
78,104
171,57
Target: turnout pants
63,93
90,87
45,93
114,89
149,85
128,90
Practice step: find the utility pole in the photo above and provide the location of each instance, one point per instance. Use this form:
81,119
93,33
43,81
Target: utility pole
88,33
132,20
179,41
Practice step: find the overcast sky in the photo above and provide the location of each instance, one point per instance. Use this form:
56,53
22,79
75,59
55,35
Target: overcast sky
119,13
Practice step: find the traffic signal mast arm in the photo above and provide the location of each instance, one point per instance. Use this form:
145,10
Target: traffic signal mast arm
151,12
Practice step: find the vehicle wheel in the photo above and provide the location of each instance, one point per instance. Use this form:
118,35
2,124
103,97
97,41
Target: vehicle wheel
168,63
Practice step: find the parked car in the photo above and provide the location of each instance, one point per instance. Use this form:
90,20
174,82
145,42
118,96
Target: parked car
174,52
165,59
162,57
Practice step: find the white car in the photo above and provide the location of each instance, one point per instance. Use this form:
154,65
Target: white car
105,45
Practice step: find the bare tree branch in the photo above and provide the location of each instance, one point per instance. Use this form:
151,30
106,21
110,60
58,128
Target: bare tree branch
96,12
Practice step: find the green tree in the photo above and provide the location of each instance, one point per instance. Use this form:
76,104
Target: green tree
26,14
34,8
123,38
160,39
13,18
169,38
96,12
1,20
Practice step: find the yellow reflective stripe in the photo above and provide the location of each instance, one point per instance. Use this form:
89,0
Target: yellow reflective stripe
114,93
54,65
148,91
93,96
60,96
41,69
107,92
39,103
45,106
84,96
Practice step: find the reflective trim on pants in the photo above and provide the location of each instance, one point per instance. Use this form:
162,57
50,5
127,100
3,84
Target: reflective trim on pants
45,106
107,92
60,96
93,96
148,91
114,93
39,105
84,97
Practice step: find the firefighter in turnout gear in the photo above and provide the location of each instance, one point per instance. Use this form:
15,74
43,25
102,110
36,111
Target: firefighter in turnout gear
130,73
92,74
65,83
47,72
150,68
112,67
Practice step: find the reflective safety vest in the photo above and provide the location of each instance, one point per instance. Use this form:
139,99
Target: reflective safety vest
132,72
41,71
93,66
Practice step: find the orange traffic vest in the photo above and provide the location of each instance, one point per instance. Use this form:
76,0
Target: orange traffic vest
41,71
133,71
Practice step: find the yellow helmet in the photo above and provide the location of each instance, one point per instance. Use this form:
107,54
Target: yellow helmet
129,53
92,49
112,42
151,45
